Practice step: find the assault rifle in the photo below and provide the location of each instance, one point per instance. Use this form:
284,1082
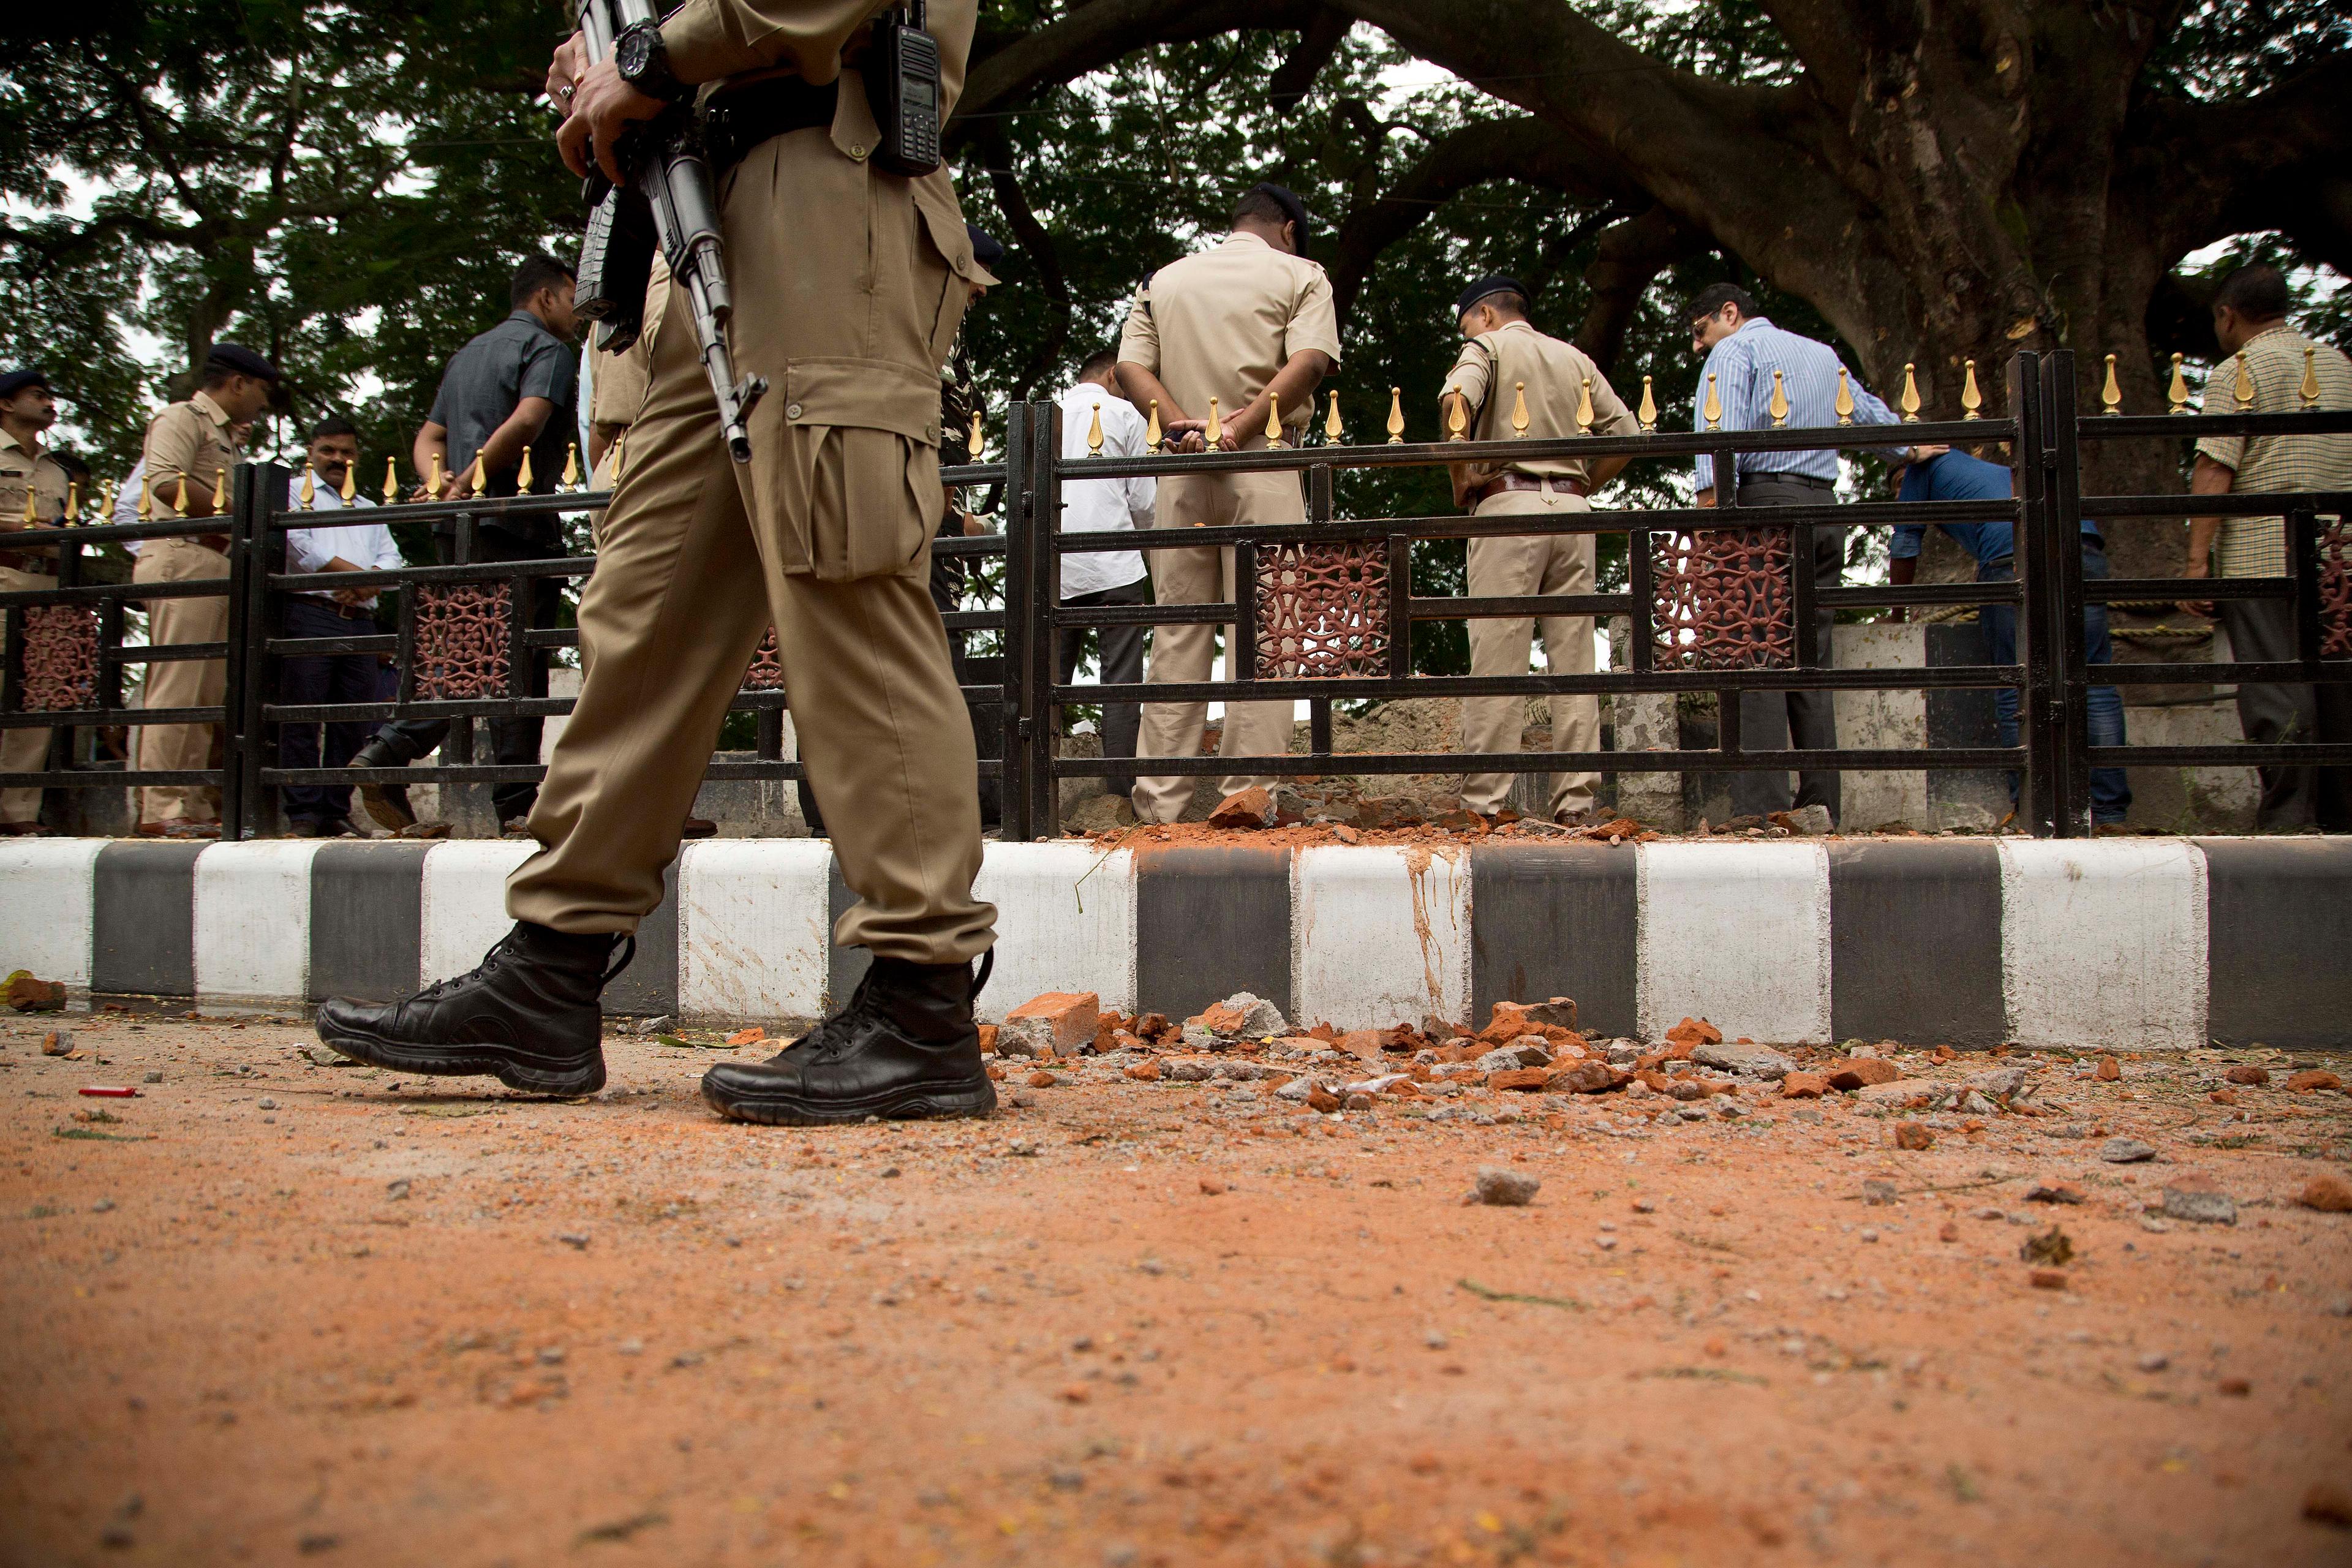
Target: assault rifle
667,199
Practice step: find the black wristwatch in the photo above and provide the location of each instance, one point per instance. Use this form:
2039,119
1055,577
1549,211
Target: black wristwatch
643,60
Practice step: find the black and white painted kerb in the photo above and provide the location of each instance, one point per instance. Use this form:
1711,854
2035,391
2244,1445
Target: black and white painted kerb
2148,944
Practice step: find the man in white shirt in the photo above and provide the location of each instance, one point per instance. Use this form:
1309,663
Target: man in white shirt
323,811
1093,578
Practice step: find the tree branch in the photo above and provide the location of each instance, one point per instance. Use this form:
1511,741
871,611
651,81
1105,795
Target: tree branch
1630,257
1038,243
2276,161
1092,36
1294,77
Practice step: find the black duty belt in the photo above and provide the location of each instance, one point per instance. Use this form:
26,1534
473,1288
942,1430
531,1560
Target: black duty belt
735,123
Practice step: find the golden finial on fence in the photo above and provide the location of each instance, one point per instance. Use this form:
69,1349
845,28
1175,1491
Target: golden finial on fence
73,502
2176,394
1094,433
1457,419
522,476
2309,390
1910,399
391,481
1971,400
434,484
146,497
1712,410
1844,397
2244,389
349,488
309,491
31,516
1779,407
1215,434
1331,426
1585,414
1151,436
220,491
1648,412
1520,409
103,503
482,473
570,480
1273,420
2111,395
975,446
1396,416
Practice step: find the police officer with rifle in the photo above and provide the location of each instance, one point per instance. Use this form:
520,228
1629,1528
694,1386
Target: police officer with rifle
784,470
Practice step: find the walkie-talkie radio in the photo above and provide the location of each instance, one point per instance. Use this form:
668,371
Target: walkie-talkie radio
902,79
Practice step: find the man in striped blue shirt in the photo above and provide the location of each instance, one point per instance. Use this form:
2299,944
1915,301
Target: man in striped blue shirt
1743,349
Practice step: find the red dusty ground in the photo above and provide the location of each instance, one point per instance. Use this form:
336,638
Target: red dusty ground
283,1312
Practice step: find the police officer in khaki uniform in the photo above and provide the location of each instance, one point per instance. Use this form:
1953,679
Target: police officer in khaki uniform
190,449
1504,363
1247,323
843,275
619,384
28,472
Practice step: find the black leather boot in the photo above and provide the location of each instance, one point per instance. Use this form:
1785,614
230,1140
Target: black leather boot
388,804
527,1016
905,1047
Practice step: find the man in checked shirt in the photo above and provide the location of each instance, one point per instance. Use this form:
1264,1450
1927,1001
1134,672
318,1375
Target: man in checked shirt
1743,349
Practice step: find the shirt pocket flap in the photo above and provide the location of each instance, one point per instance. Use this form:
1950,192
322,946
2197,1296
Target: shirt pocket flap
948,235
864,395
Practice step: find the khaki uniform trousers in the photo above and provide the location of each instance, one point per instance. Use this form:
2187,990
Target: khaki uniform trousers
689,580
182,683
22,750
1500,568
1184,654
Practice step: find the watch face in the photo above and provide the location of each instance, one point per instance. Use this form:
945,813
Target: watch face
636,53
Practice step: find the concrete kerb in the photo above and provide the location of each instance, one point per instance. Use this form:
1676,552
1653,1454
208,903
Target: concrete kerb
2150,944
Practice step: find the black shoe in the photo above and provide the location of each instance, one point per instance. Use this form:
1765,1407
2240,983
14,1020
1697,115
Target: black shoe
905,1047
527,1016
388,804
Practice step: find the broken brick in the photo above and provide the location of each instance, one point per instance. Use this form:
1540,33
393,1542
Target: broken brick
1913,1135
2247,1072
1251,807
1696,1032
988,1039
2109,1071
1056,1024
1803,1086
1588,1078
1861,1072
1521,1078
1148,1071
2328,1192
2313,1079
2047,1279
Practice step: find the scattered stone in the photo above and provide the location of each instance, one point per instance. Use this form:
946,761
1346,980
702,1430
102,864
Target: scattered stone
2235,1387
1877,1194
1251,807
2109,1071
2002,1083
1557,1012
1900,1091
2154,1361
1913,1135
1695,1032
2050,1248
150,1078
396,1189
2047,1279
2248,1073
1803,1086
575,1239
2053,1191
57,1043
28,993
1501,1187
1211,1187
1322,1098
2313,1079
1148,1070
1388,811
1524,1080
1589,1078
2199,1198
2126,1152
1056,1024
1042,1080
988,1039
1523,1053
2328,1193
1744,1058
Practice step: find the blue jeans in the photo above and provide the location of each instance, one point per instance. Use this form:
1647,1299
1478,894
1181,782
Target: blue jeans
2110,790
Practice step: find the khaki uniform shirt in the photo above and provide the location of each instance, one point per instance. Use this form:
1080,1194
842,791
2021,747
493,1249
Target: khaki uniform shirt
21,472
2256,546
1492,369
1221,323
189,439
621,380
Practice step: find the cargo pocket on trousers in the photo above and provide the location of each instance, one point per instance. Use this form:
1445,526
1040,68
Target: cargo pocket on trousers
844,468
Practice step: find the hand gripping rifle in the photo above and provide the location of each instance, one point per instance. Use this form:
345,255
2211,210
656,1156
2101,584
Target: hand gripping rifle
668,200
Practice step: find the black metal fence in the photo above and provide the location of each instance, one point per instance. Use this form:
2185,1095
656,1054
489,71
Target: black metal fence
1329,655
